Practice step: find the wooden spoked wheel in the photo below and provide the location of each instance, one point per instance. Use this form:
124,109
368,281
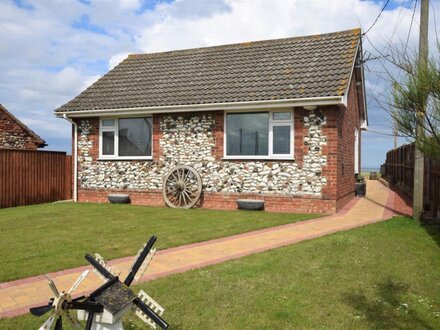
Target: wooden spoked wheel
182,187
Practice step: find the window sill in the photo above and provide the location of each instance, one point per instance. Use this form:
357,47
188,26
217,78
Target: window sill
290,158
125,158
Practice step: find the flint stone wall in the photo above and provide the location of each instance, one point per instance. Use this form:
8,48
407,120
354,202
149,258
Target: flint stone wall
15,140
12,136
190,141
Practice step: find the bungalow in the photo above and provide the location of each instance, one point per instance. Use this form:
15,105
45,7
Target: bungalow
16,135
275,120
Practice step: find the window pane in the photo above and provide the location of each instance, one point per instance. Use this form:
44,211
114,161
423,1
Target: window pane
108,143
108,122
135,137
281,140
282,115
247,134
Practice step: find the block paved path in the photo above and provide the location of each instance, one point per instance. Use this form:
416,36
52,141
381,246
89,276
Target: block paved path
18,296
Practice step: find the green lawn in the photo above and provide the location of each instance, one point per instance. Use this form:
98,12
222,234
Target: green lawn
43,238
383,276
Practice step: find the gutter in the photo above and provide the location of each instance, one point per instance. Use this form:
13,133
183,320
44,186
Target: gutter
249,105
75,158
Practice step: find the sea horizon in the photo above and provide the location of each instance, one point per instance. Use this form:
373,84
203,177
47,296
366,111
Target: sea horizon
370,169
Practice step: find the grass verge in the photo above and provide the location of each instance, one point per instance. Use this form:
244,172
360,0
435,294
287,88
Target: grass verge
44,238
382,276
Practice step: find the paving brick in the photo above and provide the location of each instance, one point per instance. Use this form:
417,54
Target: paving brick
375,207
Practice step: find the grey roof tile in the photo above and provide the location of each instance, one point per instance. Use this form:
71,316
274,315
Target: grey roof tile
290,68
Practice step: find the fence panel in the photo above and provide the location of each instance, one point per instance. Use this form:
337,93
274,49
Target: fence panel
399,171
34,177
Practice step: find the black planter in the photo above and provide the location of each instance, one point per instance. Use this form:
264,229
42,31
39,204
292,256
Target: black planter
250,204
360,188
119,198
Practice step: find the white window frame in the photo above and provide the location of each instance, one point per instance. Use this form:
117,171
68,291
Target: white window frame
272,123
115,129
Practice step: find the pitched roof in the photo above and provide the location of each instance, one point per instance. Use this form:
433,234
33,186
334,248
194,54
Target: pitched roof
290,68
38,140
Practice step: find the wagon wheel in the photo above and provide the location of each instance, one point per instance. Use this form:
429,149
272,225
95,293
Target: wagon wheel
182,187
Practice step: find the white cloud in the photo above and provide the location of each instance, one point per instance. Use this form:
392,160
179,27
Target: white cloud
51,53
68,79
116,59
51,126
30,95
129,4
256,20
89,81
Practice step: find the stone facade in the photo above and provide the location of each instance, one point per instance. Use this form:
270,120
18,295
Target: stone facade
15,140
190,140
14,134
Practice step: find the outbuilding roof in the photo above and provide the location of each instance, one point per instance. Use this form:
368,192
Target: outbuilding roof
290,68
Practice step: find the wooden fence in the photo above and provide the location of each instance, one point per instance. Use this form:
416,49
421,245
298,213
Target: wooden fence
399,171
33,177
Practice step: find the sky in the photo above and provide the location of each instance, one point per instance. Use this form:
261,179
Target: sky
51,50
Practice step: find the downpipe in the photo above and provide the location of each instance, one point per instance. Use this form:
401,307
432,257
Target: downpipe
75,157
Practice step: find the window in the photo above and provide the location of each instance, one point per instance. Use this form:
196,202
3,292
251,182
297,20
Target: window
282,115
247,134
125,138
108,143
108,122
281,140
256,135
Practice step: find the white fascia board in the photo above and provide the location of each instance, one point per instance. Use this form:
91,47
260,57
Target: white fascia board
252,105
364,125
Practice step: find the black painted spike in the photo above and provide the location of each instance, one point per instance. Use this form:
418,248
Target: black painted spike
140,260
151,314
41,310
89,306
89,321
104,272
79,298
59,324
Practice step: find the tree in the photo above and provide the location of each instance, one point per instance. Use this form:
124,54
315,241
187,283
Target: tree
416,103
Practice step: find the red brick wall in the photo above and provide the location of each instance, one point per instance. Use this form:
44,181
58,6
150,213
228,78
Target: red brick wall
347,121
94,137
218,135
222,201
300,132
157,136
330,150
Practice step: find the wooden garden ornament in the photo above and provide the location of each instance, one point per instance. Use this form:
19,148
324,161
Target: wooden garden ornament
62,304
105,307
182,187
